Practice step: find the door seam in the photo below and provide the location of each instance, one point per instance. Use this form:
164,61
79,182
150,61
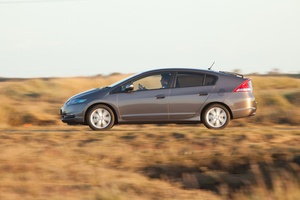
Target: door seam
168,104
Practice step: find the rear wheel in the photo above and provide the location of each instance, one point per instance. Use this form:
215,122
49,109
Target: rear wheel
100,118
215,116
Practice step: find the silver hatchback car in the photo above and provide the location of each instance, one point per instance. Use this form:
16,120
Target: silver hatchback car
164,96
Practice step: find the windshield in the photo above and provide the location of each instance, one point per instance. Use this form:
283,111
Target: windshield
124,80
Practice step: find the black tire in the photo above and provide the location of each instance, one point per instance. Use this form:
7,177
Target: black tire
100,118
215,116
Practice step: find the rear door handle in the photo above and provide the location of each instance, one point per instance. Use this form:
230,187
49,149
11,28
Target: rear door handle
203,94
160,96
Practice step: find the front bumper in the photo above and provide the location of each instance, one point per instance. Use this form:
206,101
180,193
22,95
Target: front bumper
73,114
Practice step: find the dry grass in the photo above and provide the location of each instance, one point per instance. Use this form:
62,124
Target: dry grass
269,82
147,162
255,158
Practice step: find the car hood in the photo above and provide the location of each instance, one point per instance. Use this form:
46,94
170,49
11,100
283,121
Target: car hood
77,96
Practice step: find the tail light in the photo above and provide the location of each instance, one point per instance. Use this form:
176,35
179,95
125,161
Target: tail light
244,87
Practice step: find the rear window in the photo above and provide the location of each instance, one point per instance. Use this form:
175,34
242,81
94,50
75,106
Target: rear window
210,79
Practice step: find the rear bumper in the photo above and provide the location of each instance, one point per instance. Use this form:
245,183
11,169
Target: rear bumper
244,112
241,104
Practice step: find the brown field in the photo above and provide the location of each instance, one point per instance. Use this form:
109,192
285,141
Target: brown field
41,158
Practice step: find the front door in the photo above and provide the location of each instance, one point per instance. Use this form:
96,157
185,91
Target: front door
148,101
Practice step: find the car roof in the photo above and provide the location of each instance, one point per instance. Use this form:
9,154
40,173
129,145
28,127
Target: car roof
182,69
222,73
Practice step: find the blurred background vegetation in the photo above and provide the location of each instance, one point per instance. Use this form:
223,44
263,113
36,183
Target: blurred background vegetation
38,101
253,158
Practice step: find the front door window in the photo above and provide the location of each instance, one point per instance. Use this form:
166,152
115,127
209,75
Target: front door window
152,82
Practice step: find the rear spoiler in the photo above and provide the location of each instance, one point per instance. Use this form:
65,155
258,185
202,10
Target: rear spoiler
232,73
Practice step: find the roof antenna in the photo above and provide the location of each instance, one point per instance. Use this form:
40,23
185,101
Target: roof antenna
211,66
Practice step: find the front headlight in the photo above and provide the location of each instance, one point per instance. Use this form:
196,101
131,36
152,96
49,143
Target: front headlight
76,101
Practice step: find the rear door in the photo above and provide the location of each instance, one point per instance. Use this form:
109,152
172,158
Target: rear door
190,92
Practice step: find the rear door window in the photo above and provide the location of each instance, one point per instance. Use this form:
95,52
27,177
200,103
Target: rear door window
189,79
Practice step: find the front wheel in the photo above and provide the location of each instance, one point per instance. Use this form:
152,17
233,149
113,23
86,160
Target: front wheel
215,116
100,118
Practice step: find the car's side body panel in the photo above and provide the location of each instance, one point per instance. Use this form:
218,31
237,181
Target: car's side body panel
102,98
144,105
193,98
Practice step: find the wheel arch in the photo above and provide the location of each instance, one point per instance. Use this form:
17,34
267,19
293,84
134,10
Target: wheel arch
216,102
100,103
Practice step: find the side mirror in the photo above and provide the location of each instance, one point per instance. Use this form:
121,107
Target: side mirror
129,87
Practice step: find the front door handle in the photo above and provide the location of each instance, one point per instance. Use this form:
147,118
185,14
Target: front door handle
203,94
160,96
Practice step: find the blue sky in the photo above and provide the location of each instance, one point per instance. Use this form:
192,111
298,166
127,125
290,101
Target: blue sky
47,38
